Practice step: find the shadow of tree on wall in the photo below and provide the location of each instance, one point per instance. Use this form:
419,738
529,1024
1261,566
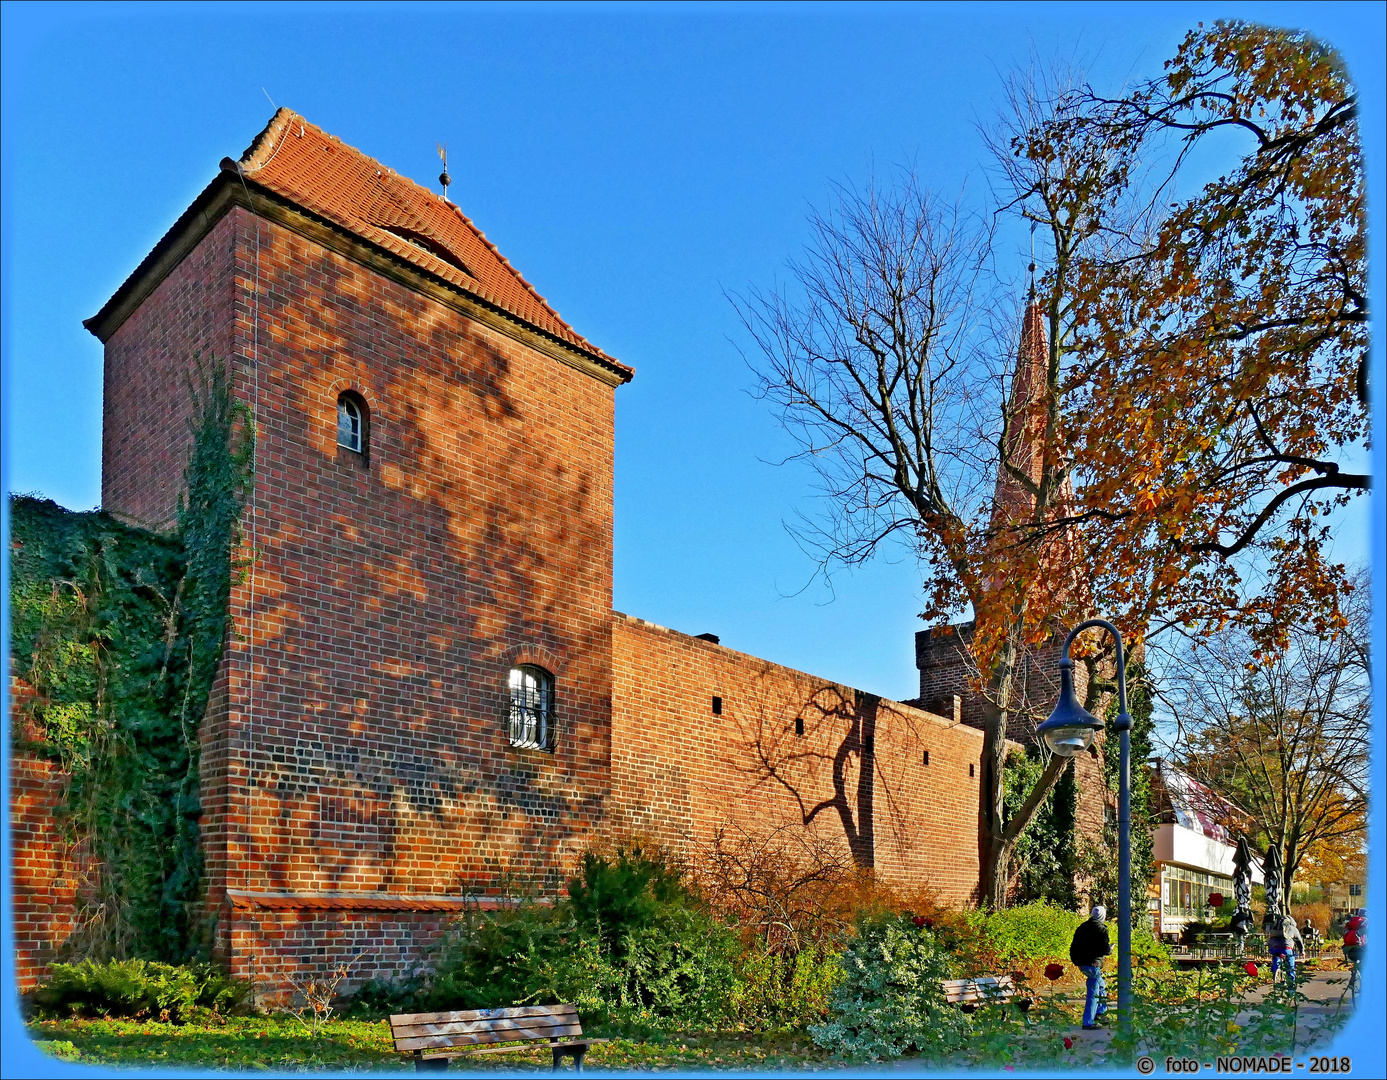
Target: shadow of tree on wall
819,747
388,599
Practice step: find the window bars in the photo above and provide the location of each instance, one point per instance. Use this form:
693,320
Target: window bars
348,424
531,708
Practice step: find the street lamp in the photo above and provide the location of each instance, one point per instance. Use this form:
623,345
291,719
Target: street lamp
1069,731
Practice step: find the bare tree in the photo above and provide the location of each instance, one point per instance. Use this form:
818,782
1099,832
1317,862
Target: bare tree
1285,739
883,362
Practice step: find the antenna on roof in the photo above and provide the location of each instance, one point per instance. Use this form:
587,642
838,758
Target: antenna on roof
270,99
443,177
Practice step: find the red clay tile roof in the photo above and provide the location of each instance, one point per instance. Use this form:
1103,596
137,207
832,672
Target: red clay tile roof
320,173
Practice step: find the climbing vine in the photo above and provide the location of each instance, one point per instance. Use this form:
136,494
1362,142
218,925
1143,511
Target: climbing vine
119,630
1045,860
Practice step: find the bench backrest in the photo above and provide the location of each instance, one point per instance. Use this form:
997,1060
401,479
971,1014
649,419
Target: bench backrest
984,989
474,1027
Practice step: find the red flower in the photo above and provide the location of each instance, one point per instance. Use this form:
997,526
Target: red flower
1053,971
929,924
1216,899
1250,968
1068,1043
919,920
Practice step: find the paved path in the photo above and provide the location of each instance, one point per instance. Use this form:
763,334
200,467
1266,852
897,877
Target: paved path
1325,989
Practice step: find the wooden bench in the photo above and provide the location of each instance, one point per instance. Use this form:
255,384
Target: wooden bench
435,1038
968,994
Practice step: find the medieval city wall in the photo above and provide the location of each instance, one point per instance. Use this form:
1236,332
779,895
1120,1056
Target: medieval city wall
43,872
791,754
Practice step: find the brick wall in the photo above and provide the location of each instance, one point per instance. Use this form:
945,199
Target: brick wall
272,949
855,778
43,898
356,740
146,405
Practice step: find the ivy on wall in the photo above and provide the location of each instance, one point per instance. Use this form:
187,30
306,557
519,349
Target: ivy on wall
1045,861
120,631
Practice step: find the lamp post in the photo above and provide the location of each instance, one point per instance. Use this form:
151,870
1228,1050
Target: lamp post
1069,731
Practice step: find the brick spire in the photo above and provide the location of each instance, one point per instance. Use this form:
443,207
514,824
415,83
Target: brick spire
1012,504
1025,418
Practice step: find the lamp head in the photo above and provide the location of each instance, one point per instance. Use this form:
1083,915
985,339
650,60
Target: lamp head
1070,729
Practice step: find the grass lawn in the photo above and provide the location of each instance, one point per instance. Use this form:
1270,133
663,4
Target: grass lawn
282,1044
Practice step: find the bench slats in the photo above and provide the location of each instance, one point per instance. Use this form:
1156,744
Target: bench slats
470,1027
984,989
474,1038
448,1034
427,1056
461,1015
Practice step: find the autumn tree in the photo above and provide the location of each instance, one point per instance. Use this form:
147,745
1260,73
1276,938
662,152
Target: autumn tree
1285,739
1215,389
1194,414
885,363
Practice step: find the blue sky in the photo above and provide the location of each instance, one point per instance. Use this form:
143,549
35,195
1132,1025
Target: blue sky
635,163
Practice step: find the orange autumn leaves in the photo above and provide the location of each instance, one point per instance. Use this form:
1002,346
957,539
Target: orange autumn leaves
1208,404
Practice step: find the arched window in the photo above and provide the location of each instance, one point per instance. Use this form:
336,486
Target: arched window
531,708
353,424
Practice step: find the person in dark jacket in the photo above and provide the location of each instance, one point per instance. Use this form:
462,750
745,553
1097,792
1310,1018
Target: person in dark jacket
1087,950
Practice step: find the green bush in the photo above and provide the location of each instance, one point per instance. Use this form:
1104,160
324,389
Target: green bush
623,893
137,989
632,944
1029,933
779,991
890,1000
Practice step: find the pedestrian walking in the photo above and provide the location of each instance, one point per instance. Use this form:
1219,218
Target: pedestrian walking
1283,942
1087,950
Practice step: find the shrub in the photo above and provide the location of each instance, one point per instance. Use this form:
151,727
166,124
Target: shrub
779,991
1030,933
890,1000
622,893
632,943
138,989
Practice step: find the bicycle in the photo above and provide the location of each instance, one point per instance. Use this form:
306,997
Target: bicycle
1353,954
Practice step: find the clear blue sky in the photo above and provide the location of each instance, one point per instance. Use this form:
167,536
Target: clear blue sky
633,162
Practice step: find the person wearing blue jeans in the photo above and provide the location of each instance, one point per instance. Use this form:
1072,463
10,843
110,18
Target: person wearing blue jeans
1283,939
1278,954
1096,1003
1087,950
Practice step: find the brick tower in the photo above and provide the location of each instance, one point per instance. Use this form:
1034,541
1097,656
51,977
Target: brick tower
356,770
427,698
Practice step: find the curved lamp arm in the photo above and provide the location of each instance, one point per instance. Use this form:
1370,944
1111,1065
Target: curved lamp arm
1124,720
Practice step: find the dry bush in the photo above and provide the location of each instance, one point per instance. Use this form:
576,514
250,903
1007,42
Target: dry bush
1318,913
789,890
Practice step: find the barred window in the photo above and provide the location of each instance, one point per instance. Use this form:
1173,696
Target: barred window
351,423
531,708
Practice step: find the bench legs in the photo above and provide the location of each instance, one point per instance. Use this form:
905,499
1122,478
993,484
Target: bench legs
575,1052
431,1065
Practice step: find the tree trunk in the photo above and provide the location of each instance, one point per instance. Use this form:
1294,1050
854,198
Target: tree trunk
999,836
